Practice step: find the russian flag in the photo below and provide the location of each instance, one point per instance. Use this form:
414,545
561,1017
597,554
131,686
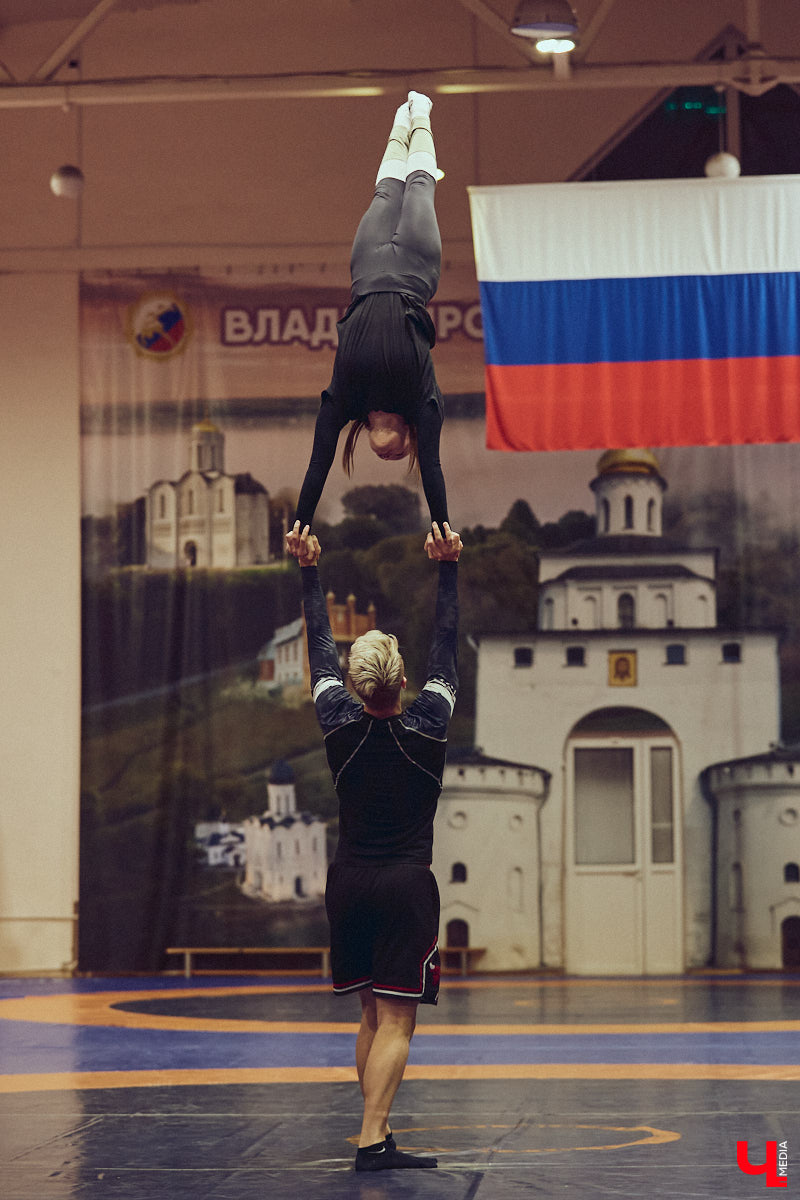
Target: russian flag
652,313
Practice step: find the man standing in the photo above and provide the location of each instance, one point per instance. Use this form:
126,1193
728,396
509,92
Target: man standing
381,897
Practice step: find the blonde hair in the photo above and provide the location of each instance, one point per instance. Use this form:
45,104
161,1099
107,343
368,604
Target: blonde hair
376,669
352,438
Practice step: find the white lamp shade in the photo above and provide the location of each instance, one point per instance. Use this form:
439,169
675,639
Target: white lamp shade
723,166
67,182
544,19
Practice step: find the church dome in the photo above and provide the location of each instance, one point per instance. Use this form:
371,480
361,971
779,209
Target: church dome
205,426
281,772
631,461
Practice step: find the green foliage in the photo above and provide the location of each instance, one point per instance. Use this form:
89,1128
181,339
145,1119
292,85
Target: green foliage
574,526
393,505
521,523
353,533
145,629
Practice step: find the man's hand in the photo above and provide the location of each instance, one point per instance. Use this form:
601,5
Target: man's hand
303,546
292,544
443,547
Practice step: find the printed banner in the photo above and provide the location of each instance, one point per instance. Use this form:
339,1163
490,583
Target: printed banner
655,313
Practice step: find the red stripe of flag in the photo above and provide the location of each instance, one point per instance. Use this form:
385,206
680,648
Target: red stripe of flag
591,406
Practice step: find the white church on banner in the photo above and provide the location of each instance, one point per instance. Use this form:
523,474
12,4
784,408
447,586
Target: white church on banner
207,518
626,811
285,850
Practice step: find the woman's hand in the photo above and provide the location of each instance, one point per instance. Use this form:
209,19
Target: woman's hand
443,547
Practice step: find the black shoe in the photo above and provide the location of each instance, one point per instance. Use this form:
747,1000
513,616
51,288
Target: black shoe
381,1158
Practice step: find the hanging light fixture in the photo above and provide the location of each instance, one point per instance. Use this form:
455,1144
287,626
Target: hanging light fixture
551,24
723,164
67,182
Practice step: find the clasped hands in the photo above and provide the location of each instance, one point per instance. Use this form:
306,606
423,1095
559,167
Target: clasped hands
440,546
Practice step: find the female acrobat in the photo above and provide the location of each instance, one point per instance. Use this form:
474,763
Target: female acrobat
383,378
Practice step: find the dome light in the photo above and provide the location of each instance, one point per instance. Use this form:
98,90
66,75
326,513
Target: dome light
67,182
550,23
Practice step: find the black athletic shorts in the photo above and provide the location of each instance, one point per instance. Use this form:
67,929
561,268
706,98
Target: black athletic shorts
384,930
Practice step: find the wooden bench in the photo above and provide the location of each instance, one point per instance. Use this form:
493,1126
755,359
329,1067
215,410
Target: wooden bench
189,952
464,955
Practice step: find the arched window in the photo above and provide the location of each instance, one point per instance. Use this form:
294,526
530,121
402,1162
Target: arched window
651,515
515,889
457,933
162,506
605,509
661,609
458,873
791,873
629,512
589,612
626,611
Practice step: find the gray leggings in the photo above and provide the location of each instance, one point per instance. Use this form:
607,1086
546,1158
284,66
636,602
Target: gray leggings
397,247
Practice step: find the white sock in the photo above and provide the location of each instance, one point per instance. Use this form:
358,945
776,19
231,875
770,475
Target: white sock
419,105
402,118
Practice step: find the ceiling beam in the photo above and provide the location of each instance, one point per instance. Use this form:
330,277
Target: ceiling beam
588,35
62,52
752,77
499,25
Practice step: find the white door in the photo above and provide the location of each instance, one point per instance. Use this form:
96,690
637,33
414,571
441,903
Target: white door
623,876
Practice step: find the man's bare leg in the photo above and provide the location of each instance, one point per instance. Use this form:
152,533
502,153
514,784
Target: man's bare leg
380,1072
366,1032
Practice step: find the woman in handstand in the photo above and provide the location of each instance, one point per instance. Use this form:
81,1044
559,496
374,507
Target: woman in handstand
383,378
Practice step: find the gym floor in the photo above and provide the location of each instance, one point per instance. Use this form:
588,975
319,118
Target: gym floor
223,1088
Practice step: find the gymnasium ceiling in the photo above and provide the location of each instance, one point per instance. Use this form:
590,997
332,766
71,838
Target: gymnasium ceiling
202,95
464,44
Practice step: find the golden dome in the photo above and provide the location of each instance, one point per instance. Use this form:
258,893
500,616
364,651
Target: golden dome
632,462
205,426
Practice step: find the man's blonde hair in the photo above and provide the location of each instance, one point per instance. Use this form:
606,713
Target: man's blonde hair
376,669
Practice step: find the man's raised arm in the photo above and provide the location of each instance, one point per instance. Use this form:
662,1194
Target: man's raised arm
334,704
434,705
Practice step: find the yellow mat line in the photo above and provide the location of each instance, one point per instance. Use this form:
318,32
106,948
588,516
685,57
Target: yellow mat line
101,1008
83,1080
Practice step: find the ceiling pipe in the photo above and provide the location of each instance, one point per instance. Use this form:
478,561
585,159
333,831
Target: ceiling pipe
583,77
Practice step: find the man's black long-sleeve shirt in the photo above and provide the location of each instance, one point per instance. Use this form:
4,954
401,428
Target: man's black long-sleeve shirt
387,771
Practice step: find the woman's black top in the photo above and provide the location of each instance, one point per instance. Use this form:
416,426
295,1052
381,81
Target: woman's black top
383,364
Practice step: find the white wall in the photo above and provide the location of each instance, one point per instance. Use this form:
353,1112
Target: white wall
707,704
40,623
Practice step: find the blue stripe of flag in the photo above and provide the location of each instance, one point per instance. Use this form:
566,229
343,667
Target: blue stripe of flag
641,320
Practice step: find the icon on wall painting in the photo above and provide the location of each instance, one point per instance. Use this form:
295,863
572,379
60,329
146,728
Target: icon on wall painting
622,668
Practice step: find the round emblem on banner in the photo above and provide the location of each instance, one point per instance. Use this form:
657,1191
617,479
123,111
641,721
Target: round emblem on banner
159,325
